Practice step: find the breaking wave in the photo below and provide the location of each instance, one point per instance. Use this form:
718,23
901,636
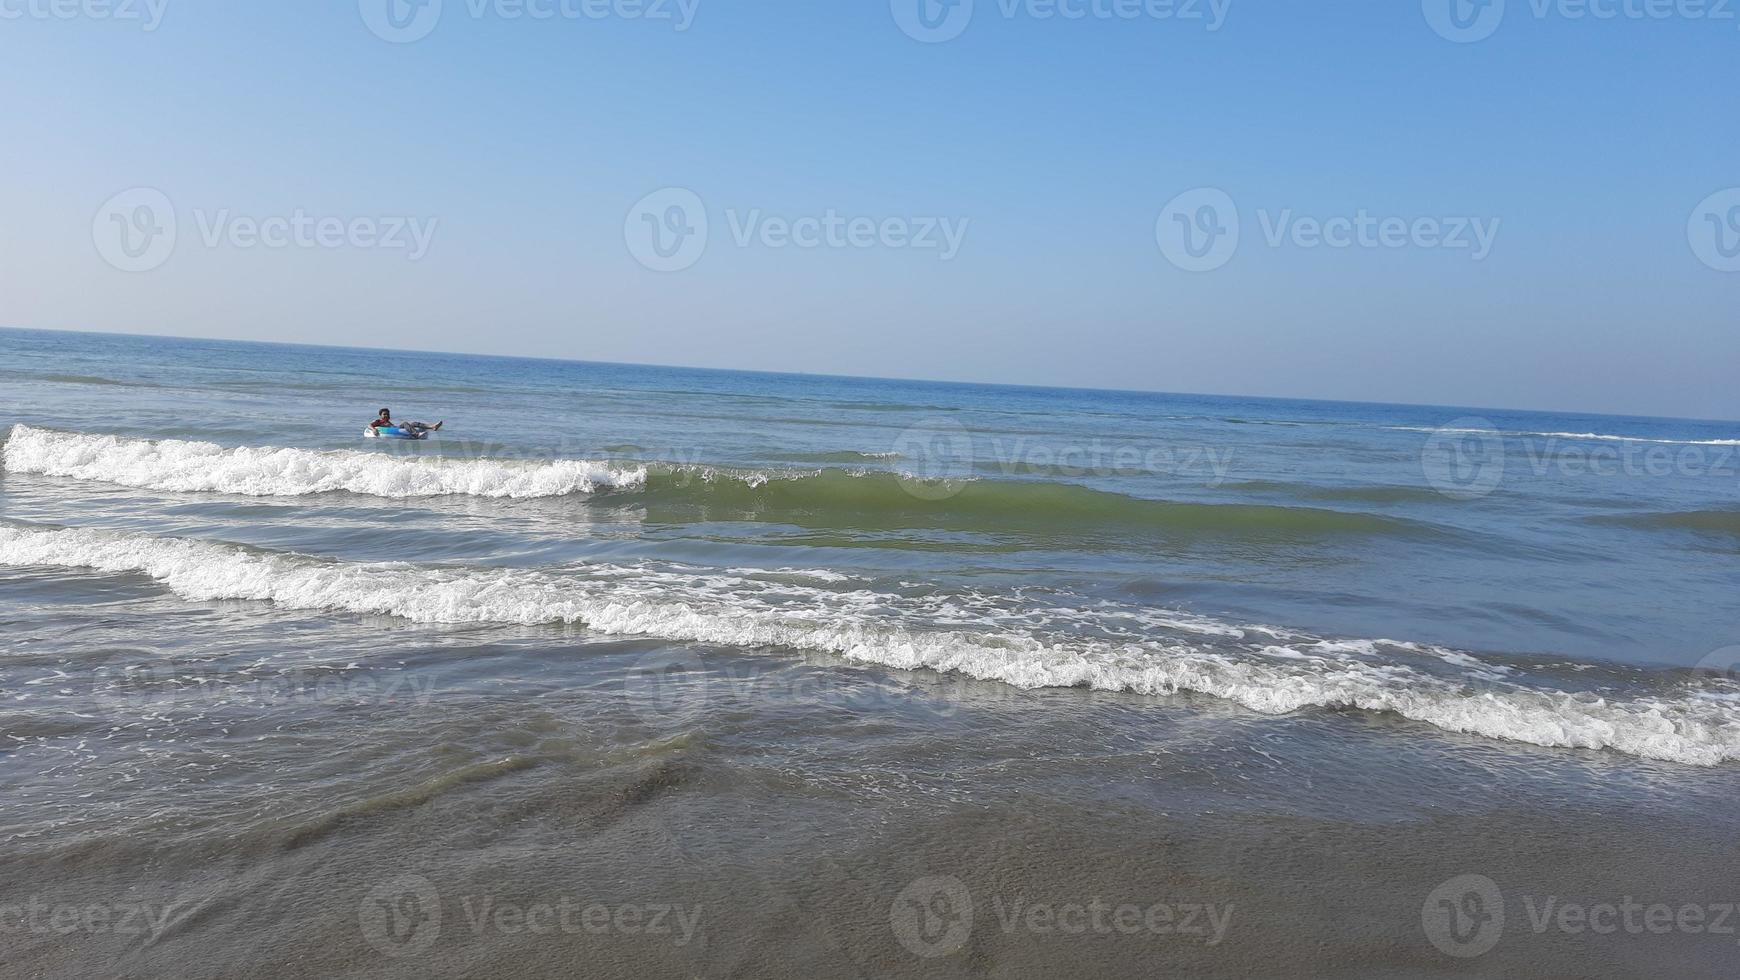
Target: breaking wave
997,638
178,466
827,495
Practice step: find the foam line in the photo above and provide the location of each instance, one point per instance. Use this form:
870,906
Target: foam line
1264,669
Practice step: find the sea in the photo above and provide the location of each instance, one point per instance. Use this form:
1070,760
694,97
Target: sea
647,671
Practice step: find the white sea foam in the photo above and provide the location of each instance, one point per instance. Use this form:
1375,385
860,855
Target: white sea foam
981,637
178,466
1596,436
814,574
1611,438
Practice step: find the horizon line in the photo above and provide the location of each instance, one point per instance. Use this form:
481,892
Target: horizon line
871,377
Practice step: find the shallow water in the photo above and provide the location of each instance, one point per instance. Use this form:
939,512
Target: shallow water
823,662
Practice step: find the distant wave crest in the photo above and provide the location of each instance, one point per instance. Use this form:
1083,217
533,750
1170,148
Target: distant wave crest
1707,521
1591,436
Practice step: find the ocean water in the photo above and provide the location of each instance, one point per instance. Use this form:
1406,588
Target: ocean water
778,650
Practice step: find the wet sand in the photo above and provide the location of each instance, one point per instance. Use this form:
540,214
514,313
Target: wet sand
583,833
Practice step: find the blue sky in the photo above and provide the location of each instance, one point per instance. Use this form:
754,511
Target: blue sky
529,153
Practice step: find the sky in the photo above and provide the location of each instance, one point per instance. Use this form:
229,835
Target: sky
1518,204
